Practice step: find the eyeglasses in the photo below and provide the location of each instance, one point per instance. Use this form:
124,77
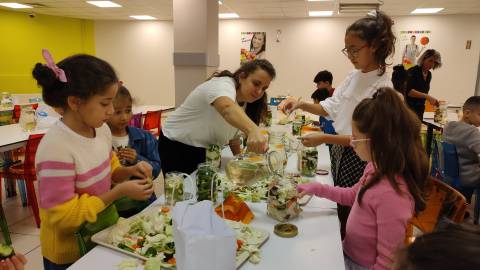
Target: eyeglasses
352,52
354,142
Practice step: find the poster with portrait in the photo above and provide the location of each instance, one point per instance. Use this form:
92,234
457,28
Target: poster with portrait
412,44
252,46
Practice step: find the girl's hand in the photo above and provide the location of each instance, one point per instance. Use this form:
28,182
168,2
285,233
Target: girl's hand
289,105
128,154
313,139
139,190
256,142
310,189
142,170
16,262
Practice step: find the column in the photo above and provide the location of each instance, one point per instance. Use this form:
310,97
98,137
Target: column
195,54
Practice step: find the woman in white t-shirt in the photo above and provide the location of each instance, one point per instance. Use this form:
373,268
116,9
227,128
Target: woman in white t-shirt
213,113
368,43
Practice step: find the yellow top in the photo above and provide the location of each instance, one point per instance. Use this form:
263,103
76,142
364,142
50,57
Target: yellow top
61,222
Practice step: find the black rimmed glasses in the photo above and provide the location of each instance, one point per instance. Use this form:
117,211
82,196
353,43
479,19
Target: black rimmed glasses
353,52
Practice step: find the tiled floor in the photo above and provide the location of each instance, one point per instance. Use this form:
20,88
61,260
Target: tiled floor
23,230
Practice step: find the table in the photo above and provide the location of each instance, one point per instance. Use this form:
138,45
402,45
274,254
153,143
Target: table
431,125
12,136
317,246
151,108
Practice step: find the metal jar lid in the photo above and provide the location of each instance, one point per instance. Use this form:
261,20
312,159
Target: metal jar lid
286,230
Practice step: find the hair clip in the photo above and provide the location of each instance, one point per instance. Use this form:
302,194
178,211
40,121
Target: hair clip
372,13
59,73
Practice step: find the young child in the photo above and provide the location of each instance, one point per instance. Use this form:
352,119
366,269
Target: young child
368,43
390,190
455,247
319,95
73,160
465,135
16,262
324,79
132,145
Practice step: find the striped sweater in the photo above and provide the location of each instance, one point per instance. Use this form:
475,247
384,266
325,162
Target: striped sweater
71,171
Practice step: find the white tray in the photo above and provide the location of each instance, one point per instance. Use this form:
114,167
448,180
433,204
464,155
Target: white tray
101,238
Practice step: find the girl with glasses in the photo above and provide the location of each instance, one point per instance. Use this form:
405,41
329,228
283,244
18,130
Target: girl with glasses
391,189
368,43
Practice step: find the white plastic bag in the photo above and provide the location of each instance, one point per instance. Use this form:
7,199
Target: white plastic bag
203,241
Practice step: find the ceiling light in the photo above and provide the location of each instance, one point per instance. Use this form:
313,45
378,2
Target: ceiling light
14,5
228,16
323,13
104,4
360,8
220,2
426,10
143,17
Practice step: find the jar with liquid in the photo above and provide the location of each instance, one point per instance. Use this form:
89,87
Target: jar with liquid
28,119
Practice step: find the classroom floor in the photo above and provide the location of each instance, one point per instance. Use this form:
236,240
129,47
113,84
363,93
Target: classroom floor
23,231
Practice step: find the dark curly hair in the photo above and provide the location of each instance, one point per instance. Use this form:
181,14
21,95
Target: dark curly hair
376,30
256,110
86,75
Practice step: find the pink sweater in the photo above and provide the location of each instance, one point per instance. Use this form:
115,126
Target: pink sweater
376,228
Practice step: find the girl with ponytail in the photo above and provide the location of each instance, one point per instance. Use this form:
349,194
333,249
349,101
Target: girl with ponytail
391,189
368,43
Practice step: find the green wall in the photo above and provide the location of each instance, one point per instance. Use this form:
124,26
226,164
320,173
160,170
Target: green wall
22,39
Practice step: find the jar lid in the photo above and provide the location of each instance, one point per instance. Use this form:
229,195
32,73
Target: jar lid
286,230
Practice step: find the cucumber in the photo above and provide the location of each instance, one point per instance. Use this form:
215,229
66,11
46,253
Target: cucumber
6,251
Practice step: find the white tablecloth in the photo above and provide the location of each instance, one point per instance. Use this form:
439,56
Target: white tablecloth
317,246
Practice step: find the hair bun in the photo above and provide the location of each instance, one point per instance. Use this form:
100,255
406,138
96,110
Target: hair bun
44,75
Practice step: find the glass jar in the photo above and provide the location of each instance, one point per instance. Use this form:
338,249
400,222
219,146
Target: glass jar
6,101
309,161
282,200
297,127
268,118
206,182
178,187
440,115
213,155
28,119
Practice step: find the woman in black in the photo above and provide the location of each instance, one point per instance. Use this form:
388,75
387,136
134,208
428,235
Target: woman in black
418,82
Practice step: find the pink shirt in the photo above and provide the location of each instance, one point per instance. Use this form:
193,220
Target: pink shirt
376,228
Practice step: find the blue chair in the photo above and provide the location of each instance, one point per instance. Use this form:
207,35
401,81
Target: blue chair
451,170
451,173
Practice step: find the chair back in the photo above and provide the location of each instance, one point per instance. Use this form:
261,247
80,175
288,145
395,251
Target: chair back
30,152
16,112
153,121
451,170
136,120
443,201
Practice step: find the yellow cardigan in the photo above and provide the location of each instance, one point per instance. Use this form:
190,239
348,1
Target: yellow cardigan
59,223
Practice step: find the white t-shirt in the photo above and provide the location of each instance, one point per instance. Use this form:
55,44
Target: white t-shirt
118,142
196,122
356,87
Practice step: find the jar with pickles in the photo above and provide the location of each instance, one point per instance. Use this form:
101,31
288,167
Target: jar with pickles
206,182
213,155
178,187
309,161
282,201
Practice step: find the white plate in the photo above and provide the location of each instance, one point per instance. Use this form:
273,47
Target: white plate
101,238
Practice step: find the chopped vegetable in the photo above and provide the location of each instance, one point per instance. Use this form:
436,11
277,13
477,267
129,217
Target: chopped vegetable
128,264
